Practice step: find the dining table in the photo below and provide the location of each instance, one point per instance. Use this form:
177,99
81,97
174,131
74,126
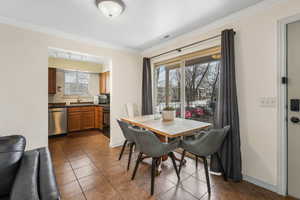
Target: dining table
167,130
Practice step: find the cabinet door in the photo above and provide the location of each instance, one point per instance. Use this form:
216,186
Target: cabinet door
87,120
107,78
51,80
102,83
98,117
74,121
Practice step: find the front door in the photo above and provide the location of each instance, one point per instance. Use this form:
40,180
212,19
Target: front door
293,97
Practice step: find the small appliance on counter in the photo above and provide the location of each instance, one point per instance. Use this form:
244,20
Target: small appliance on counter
104,99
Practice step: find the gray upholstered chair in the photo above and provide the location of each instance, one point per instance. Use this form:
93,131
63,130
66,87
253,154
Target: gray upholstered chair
150,146
206,145
128,139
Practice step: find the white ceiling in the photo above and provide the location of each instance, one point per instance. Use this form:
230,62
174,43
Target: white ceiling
143,24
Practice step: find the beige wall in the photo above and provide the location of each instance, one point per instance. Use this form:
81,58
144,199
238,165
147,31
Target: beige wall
257,76
61,63
24,80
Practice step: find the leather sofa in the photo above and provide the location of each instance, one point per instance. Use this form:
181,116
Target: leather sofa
25,175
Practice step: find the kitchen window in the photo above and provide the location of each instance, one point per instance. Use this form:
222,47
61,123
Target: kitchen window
76,83
188,83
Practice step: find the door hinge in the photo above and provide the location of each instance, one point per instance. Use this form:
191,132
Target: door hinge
284,80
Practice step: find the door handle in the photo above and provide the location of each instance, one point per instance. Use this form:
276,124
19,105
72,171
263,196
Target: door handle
295,119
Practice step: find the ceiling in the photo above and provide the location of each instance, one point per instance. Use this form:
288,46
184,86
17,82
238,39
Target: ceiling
143,24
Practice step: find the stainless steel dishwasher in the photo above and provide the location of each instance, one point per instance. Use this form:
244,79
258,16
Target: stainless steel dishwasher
57,121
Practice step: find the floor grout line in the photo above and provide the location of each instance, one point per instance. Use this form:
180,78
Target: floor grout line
77,179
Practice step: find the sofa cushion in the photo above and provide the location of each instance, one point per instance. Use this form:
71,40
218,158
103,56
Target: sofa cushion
25,186
11,152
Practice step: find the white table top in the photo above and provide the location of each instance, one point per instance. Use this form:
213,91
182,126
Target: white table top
176,128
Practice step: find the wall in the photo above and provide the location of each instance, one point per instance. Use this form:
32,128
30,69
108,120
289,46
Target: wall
59,97
24,79
75,65
257,76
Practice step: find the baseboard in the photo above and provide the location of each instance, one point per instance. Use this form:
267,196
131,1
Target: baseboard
260,183
118,144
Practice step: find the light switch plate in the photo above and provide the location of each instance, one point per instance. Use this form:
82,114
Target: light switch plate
267,102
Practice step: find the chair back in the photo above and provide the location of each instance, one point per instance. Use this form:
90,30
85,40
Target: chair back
125,130
132,110
211,142
147,142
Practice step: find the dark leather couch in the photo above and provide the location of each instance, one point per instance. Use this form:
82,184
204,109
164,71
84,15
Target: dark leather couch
25,175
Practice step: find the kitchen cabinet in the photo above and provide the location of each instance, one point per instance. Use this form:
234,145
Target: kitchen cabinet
87,120
51,80
85,117
74,121
98,117
104,83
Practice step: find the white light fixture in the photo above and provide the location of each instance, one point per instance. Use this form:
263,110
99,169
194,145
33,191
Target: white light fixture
111,8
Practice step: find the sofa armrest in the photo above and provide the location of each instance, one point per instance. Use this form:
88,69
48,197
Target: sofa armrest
25,184
47,182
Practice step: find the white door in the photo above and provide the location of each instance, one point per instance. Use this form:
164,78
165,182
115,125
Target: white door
293,97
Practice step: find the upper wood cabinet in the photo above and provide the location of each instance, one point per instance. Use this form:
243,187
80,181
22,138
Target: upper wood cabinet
51,80
104,81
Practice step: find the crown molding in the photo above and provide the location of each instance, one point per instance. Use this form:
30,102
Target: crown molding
61,34
229,19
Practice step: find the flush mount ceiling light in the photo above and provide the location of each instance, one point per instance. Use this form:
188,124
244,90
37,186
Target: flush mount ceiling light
111,8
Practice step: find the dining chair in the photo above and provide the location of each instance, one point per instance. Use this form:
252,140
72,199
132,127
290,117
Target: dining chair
128,139
150,146
206,145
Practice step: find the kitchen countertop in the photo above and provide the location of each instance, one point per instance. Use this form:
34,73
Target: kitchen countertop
61,105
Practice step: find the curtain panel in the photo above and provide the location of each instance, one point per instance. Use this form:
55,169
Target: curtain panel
227,111
147,88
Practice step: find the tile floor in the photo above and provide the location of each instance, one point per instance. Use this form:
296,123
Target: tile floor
88,169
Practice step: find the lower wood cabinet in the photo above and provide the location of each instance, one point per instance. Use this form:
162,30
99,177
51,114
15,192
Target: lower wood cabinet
84,118
87,120
98,117
74,121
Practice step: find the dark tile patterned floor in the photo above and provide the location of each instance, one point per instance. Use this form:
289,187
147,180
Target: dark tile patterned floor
88,169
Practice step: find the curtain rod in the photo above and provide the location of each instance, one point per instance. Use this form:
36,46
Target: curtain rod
189,45
183,47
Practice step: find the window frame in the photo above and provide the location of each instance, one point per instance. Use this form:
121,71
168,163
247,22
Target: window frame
216,50
87,94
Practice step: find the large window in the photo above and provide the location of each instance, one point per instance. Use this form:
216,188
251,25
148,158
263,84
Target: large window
76,83
189,85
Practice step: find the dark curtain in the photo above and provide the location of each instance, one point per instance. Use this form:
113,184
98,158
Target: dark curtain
147,88
227,111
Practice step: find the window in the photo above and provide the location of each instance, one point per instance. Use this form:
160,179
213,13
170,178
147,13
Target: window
76,83
188,84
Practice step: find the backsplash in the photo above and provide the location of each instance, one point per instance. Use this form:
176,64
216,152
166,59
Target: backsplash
59,97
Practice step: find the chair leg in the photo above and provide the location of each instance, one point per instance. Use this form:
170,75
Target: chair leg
129,157
171,154
137,164
123,148
222,167
153,168
196,161
207,175
181,161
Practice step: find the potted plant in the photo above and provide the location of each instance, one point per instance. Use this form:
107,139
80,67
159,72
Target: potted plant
168,113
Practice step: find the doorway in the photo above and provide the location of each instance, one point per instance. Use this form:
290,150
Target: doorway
293,108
